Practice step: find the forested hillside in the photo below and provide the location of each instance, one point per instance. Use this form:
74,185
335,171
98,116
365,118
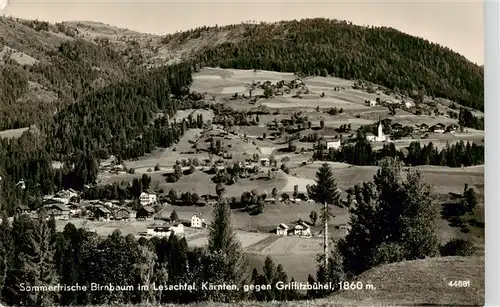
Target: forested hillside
43,69
384,56
119,119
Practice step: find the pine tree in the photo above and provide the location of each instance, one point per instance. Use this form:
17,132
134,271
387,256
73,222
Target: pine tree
173,216
6,249
269,275
144,271
226,261
34,265
393,219
325,192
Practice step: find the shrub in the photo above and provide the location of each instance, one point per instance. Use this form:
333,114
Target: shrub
458,247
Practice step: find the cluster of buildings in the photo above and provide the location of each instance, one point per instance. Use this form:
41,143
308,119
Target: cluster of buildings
302,229
397,127
175,227
406,104
66,204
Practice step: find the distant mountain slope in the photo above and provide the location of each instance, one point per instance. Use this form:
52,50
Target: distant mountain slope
384,56
44,67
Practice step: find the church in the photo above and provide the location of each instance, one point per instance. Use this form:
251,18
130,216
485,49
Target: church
380,137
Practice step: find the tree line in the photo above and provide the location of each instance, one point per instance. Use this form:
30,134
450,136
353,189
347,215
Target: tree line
33,253
361,153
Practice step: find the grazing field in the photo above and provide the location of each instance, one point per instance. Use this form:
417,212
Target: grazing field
409,283
293,245
181,114
421,282
443,179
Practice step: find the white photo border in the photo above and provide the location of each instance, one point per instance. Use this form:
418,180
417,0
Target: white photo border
492,153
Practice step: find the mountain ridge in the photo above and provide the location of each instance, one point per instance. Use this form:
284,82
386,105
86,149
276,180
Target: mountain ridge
82,53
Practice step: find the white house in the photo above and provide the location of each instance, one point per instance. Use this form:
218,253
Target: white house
264,161
282,230
197,221
335,144
67,194
164,230
409,104
302,230
438,128
177,229
370,137
147,199
373,103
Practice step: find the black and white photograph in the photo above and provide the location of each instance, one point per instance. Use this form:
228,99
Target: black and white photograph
242,153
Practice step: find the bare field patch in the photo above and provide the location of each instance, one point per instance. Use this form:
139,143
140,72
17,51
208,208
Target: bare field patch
181,114
294,245
443,179
327,102
246,239
12,133
299,181
297,266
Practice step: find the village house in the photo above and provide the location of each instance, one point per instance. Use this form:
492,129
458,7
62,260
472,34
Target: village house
370,137
197,221
422,127
335,144
452,128
302,230
147,199
116,169
165,230
102,213
23,209
264,161
58,211
438,128
372,103
269,199
345,227
145,213
396,127
66,194
74,209
409,104
124,214
282,230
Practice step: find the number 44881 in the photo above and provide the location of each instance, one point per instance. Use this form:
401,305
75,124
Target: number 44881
459,283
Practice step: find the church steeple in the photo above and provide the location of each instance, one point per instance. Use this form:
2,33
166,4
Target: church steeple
380,133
